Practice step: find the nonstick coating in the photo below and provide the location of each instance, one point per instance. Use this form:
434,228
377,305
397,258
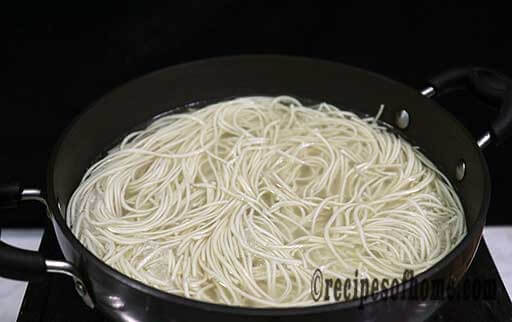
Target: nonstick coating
442,138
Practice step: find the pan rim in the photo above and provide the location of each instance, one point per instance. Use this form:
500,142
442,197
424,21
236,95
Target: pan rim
59,218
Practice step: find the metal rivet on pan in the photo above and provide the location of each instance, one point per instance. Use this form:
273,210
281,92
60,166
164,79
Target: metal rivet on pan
402,119
115,302
80,288
460,170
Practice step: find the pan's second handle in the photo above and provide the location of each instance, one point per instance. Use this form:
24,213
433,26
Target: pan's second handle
26,265
16,263
493,87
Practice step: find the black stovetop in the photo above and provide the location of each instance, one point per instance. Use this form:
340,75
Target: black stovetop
54,299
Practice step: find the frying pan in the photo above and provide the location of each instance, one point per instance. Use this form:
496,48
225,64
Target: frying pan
413,113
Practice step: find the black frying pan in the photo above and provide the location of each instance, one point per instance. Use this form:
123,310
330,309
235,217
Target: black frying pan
416,116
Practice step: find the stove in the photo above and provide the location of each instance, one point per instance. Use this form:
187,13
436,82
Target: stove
54,299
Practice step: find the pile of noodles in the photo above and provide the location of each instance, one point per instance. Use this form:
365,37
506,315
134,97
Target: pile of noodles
239,202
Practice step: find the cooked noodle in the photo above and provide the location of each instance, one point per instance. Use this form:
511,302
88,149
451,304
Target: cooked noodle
239,202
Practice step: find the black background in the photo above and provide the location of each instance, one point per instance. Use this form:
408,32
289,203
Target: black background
59,59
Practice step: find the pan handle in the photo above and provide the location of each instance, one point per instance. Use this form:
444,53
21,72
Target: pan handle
26,265
493,87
